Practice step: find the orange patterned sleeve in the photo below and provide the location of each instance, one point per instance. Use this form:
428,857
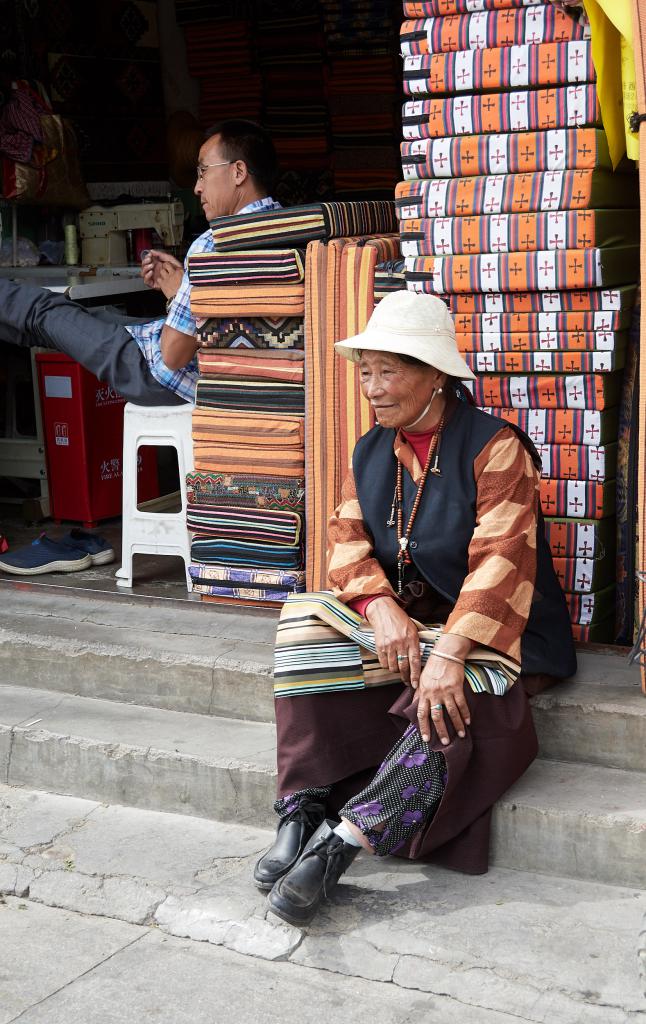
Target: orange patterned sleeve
496,596
352,570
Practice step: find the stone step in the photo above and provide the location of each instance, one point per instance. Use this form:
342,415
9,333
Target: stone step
203,660
584,821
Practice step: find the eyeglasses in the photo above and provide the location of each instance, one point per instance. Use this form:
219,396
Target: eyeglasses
201,168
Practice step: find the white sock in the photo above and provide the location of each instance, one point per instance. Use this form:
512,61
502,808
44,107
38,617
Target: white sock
346,835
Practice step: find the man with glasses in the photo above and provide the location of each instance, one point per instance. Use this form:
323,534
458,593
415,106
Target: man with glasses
151,363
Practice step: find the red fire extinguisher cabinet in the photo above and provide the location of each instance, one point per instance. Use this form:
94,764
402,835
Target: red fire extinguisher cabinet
83,428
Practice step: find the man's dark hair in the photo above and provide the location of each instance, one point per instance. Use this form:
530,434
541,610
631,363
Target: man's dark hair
247,141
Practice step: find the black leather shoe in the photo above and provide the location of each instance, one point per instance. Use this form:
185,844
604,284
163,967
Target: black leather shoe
293,833
297,896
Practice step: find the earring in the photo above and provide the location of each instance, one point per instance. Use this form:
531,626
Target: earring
438,391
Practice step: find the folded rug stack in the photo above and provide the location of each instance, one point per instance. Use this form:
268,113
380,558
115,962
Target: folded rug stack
510,210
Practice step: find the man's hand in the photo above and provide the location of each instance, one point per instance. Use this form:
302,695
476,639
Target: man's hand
162,272
442,683
396,638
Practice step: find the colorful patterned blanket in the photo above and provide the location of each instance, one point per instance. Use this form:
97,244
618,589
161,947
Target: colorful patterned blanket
581,391
254,491
541,24
572,341
579,461
253,332
545,326
607,300
262,526
577,499
544,362
562,426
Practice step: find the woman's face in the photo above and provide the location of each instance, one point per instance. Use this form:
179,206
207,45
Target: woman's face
397,391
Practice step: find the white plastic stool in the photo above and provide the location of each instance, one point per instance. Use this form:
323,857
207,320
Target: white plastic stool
154,533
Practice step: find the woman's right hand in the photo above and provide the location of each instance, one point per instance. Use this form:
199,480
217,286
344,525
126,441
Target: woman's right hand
395,634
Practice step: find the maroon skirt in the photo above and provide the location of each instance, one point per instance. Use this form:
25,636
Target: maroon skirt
340,739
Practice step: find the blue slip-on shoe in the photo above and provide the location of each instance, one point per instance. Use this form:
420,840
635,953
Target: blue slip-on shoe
44,555
98,548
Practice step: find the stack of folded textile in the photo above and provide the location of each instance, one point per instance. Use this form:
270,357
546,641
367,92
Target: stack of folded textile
363,91
247,493
230,85
511,212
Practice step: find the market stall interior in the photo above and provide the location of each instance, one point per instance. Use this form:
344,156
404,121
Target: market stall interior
468,148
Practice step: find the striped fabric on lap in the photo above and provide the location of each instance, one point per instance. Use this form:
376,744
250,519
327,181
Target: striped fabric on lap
252,365
267,526
250,300
256,491
298,225
322,646
251,396
255,267
246,554
250,333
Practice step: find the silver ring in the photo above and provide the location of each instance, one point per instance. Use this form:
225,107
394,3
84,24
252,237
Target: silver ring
402,657
436,707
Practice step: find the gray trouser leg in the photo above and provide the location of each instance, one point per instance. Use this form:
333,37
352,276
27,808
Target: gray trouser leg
35,317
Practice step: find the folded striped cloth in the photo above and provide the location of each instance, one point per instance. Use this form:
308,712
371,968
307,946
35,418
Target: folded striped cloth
255,267
505,67
253,491
545,270
584,391
248,300
543,341
322,646
298,225
246,554
571,106
287,366
580,538
529,192
578,499
262,526
584,575
562,426
438,8
580,327
544,24
541,362
578,461
591,609
518,232
233,442
252,396
276,333
608,300
468,155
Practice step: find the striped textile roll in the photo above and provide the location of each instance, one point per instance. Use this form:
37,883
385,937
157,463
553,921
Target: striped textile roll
607,300
585,391
572,106
543,362
518,232
322,646
438,8
251,396
467,155
578,461
298,225
543,341
513,193
286,366
244,554
505,67
545,270
591,538
550,324
562,426
263,266
487,29
266,526
249,300
591,609
276,333
578,499
253,491
584,575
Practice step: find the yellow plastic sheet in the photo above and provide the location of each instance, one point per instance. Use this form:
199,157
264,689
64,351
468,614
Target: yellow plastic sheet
614,61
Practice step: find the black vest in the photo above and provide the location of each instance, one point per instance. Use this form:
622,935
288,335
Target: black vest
445,522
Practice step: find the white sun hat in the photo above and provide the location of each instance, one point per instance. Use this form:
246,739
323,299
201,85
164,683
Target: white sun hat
411,324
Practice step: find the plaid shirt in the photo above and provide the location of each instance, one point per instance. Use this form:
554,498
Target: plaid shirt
148,335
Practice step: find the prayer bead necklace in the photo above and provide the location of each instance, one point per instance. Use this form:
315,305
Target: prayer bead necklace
403,555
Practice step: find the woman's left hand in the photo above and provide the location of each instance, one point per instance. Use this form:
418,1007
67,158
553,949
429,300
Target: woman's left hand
442,683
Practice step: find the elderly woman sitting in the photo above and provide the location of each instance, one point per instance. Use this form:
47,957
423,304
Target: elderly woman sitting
408,733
